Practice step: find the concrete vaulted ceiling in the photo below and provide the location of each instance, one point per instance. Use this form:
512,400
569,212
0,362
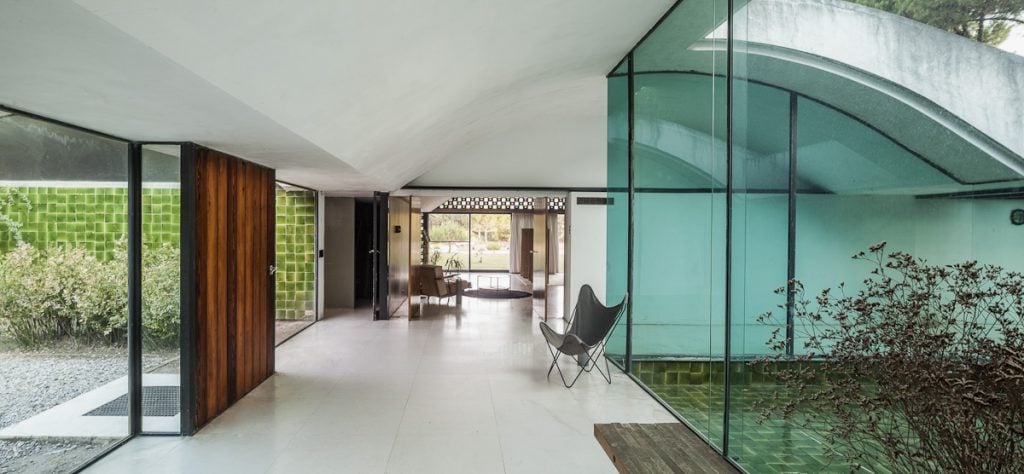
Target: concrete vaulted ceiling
337,95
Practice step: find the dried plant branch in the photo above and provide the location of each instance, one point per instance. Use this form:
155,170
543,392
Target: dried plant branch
922,370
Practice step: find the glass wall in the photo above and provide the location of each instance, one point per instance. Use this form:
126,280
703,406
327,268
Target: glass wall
470,242
295,279
161,288
449,240
679,176
618,205
63,294
490,235
743,164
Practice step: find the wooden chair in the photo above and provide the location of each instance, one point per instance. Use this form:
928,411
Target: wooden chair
432,282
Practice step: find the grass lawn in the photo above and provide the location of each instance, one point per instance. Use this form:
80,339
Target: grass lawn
483,261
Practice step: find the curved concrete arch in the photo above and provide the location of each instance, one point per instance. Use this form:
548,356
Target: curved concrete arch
954,101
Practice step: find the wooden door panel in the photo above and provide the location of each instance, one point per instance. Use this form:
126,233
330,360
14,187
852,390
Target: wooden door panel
234,242
526,254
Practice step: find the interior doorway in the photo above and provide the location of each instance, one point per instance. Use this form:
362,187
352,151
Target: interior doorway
504,245
363,261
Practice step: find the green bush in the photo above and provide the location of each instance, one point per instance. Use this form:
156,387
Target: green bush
492,246
65,293
56,294
161,317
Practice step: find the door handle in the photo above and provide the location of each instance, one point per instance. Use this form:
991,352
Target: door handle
273,269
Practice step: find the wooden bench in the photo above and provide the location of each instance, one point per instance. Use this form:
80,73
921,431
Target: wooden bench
658,447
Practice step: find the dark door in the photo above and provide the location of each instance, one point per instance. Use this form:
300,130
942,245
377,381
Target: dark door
380,256
364,252
526,254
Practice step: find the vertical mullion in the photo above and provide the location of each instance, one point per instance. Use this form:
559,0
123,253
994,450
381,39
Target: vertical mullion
791,232
135,290
630,104
727,359
318,270
188,338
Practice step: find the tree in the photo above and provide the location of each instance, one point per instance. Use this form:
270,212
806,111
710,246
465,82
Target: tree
987,21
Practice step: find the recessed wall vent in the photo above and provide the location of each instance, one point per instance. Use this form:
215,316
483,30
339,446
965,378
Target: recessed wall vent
595,201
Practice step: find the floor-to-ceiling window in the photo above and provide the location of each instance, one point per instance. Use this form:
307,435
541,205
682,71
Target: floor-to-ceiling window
470,242
161,288
754,147
489,241
617,247
63,294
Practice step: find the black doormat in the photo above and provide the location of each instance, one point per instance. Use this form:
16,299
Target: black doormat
497,294
156,401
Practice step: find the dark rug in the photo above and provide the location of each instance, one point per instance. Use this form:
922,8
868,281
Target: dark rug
497,294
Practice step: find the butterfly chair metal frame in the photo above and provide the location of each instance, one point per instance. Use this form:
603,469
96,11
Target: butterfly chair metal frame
589,326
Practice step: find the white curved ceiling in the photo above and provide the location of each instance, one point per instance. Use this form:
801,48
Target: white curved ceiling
337,95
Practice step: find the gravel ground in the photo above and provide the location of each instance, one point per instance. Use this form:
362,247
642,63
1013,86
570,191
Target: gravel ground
36,456
37,380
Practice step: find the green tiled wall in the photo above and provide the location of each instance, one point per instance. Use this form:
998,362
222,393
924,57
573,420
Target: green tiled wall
93,218
695,390
296,254
694,372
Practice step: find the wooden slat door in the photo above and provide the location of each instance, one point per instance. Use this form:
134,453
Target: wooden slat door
235,299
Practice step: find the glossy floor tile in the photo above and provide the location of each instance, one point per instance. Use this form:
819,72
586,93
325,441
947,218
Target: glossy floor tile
457,390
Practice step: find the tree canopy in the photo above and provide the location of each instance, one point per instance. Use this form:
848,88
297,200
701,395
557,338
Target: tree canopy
987,21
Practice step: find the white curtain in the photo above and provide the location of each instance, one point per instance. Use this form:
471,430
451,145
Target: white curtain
520,221
553,256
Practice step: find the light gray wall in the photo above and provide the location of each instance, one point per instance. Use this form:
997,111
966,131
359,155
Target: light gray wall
339,252
585,248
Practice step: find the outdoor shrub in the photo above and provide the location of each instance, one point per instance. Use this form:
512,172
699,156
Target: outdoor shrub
492,246
161,318
55,294
66,293
161,300
921,371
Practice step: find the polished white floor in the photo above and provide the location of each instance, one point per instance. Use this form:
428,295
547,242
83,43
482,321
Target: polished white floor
455,391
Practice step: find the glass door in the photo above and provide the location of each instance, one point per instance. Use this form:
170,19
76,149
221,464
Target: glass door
296,251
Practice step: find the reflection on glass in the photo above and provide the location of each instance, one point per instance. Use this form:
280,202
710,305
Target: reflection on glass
295,279
679,168
161,288
838,140
63,295
616,257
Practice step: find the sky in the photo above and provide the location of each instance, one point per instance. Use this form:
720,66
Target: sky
1015,43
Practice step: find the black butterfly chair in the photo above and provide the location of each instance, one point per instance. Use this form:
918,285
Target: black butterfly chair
589,326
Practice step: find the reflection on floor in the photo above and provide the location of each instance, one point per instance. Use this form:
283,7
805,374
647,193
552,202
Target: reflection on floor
457,390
